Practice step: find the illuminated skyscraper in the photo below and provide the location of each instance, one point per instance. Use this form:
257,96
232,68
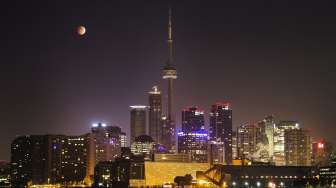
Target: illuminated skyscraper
267,127
138,121
297,147
193,139
155,114
192,119
221,127
248,136
279,140
170,74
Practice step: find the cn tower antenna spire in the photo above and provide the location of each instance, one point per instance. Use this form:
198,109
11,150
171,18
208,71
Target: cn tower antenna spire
170,39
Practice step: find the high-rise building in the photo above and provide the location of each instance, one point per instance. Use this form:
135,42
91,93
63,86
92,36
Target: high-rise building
29,161
194,144
297,147
193,138
279,140
138,121
192,119
169,73
42,159
248,136
221,127
267,127
155,114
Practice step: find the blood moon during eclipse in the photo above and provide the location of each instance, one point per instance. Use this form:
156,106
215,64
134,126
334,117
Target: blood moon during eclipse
81,30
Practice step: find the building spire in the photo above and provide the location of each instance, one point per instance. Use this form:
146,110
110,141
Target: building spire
170,39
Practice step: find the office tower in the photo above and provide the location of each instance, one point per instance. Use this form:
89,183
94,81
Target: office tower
193,138
221,127
267,127
138,121
169,73
155,114
248,136
192,119
143,145
279,140
194,144
297,147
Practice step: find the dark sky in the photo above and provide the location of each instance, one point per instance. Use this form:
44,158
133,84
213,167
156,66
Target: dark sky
266,57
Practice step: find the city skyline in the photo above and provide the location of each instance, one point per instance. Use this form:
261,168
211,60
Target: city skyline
63,88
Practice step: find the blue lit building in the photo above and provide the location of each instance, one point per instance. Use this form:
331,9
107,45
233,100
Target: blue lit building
193,139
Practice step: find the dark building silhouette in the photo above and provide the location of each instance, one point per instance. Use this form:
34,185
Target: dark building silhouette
221,127
42,159
112,174
155,114
29,160
138,121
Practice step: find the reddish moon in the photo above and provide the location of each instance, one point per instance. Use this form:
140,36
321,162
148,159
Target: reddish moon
81,30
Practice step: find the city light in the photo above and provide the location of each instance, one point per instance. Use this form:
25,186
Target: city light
320,145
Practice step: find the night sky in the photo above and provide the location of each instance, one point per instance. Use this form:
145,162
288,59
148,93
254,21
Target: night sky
266,57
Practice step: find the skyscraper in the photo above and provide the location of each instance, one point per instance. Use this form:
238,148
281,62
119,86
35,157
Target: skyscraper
221,127
267,127
170,74
279,140
248,136
155,114
42,159
297,147
193,139
192,119
138,121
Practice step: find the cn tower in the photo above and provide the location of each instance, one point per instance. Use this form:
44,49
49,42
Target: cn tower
169,73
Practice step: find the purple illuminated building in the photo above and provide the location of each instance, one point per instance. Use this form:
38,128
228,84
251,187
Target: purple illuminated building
193,139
